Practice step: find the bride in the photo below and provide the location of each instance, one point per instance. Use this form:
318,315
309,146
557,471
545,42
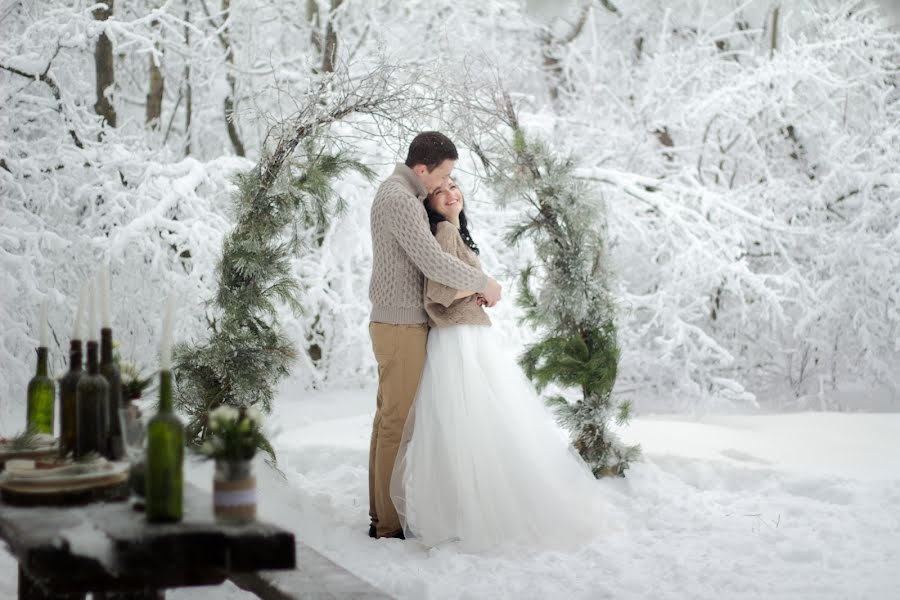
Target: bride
481,461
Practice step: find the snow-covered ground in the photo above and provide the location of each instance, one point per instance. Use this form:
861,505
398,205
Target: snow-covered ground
768,506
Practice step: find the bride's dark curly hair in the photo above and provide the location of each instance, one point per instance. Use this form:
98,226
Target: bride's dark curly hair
435,217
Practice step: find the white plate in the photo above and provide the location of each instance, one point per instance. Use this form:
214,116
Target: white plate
21,473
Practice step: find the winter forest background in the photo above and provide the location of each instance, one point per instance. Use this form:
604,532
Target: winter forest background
746,155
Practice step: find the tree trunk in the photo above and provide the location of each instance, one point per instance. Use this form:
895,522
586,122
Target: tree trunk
329,49
155,95
188,106
552,51
312,15
103,62
552,69
325,45
773,43
230,78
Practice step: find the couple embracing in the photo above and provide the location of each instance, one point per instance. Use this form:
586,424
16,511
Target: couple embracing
463,451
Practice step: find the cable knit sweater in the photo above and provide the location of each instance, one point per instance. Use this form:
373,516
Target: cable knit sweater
404,252
443,310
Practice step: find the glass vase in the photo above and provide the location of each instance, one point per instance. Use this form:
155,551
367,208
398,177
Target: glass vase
234,491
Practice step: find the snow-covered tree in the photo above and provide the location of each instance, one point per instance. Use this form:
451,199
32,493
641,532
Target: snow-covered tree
745,175
747,159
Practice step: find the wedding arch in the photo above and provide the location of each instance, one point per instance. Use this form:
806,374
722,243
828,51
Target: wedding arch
246,353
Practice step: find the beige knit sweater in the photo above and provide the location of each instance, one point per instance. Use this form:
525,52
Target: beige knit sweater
443,310
404,252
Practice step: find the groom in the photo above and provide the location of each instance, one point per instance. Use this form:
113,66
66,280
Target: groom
404,252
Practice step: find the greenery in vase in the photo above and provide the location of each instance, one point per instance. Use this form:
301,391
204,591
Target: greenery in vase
235,434
134,382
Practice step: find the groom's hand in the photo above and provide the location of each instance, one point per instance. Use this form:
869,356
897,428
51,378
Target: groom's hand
492,292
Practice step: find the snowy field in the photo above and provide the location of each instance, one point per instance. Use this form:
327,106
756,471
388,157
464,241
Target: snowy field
784,506
745,155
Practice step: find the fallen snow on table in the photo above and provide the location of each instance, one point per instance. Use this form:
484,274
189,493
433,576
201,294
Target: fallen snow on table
766,506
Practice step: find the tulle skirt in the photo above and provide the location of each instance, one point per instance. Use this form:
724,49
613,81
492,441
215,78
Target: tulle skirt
482,463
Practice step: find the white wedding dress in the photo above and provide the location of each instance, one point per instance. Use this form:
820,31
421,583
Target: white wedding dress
482,463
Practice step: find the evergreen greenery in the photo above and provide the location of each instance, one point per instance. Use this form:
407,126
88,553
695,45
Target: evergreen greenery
27,440
573,307
235,435
247,353
134,382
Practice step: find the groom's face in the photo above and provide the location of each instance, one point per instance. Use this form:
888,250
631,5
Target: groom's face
439,176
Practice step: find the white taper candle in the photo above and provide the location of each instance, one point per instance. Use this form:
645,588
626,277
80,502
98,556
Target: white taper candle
77,326
92,313
44,337
165,343
81,315
104,296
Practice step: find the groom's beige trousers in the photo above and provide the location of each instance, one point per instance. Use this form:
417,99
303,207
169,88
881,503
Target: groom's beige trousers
400,353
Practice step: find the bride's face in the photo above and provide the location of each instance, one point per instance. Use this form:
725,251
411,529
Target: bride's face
447,201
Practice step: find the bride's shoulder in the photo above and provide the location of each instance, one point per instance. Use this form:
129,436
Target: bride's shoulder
446,232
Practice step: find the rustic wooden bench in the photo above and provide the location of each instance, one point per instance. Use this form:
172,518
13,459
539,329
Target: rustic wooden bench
315,578
110,550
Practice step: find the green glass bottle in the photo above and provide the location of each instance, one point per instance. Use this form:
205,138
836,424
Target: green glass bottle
165,459
110,370
91,399
41,397
68,401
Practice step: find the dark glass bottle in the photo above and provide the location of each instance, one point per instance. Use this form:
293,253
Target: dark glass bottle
68,402
110,370
92,408
41,397
165,459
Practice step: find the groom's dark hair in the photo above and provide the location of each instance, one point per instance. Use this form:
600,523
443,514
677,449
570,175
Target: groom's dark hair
430,148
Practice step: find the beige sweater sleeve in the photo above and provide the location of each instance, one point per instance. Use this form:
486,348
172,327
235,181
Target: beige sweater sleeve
410,228
447,236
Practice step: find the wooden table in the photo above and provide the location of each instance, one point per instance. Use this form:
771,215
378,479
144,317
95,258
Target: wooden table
108,547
